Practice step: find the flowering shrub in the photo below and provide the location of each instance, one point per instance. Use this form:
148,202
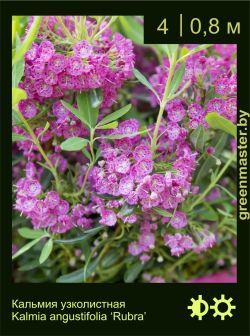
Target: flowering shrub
123,155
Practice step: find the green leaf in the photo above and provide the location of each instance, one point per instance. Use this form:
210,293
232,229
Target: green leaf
111,125
87,154
46,251
143,80
97,154
132,272
74,144
30,37
29,266
90,268
17,137
218,143
216,121
89,113
198,137
76,112
126,210
110,258
87,235
115,115
171,49
208,214
224,213
162,212
194,51
73,277
25,248
46,127
184,52
121,136
226,191
32,234
17,95
17,72
132,29
96,97
177,79
15,117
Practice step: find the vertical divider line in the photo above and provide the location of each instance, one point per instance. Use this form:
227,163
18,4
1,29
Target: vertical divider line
181,25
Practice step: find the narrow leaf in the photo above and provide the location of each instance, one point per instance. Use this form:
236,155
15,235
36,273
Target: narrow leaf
76,112
142,79
46,127
111,125
74,144
132,272
31,234
177,79
25,248
77,276
197,138
89,270
162,212
171,49
17,72
97,154
110,258
46,251
87,235
17,95
216,121
89,113
29,266
115,115
73,277
184,52
132,28
17,137
87,154
218,143
121,136
194,51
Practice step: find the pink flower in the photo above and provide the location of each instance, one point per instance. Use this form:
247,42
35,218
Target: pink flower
179,220
122,164
108,217
32,187
134,248
28,108
126,185
175,110
57,63
83,49
62,208
158,183
142,152
52,199
74,66
46,51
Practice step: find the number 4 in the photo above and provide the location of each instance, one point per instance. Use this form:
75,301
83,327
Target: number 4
163,26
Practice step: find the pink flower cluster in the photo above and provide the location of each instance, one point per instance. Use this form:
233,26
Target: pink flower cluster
128,173
49,210
127,170
179,243
51,73
205,73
